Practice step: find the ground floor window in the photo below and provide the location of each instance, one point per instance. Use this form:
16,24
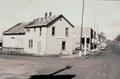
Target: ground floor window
30,43
63,45
1,44
95,46
83,40
88,40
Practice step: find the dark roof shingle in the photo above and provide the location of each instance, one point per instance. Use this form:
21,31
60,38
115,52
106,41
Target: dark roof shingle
45,22
17,29
41,21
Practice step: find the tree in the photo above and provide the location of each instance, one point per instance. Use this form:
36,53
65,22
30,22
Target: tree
102,37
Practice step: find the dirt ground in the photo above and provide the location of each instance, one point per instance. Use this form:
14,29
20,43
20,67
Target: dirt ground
21,67
106,66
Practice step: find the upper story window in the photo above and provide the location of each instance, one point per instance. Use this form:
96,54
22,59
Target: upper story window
92,33
66,32
61,19
34,29
27,29
53,31
12,37
40,31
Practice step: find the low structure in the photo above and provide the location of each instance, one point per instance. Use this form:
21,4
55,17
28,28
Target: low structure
13,38
89,40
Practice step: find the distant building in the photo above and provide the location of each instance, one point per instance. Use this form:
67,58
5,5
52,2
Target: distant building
1,44
48,35
89,40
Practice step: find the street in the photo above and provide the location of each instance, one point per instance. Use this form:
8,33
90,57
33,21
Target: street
106,66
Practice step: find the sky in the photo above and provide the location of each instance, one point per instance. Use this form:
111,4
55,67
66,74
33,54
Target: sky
99,14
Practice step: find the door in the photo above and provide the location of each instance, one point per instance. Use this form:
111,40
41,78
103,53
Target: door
39,46
63,45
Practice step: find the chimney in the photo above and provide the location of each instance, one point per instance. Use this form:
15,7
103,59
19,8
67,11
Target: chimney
50,14
41,20
46,15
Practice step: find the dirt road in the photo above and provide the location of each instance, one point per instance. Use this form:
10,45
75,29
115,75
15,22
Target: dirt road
106,66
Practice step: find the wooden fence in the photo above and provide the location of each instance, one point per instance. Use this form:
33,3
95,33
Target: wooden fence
14,50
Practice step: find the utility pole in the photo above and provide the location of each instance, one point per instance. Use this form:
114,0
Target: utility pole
94,32
82,23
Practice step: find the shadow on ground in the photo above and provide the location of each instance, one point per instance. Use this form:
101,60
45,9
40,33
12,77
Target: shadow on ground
53,75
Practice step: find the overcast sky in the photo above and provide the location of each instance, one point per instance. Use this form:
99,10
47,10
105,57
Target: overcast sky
106,13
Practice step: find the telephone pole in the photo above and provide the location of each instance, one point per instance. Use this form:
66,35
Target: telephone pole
82,23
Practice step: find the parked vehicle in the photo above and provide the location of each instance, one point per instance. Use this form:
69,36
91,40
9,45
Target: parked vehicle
103,46
76,51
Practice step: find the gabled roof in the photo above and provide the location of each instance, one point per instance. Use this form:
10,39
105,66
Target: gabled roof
18,29
46,22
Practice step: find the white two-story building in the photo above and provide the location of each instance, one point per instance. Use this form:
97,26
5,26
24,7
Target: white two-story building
48,35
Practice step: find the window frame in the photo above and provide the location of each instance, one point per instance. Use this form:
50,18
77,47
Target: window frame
30,43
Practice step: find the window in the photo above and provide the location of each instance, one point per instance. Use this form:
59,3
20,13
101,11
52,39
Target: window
63,45
30,43
28,29
95,46
91,46
92,33
61,19
66,32
40,31
12,37
82,40
34,29
53,31
88,40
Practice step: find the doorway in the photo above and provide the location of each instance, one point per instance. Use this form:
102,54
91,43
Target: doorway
39,46
63,45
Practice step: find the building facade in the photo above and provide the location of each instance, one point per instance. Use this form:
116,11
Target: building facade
48,35
89,40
